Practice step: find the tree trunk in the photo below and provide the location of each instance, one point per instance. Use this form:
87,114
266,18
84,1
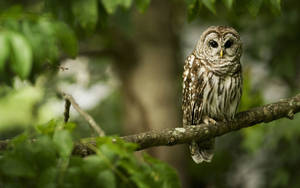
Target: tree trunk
150,85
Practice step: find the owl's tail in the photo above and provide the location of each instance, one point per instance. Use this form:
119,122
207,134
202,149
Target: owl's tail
202,151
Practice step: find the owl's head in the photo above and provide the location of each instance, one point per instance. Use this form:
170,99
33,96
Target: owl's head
220,44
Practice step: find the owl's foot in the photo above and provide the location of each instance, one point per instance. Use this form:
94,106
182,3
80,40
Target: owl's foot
207,120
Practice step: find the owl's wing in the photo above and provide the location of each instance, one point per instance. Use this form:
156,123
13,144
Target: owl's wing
193,86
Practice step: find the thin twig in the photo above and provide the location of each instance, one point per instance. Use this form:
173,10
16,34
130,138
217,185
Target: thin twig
85,115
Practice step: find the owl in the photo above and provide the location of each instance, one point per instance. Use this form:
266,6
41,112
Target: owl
212,84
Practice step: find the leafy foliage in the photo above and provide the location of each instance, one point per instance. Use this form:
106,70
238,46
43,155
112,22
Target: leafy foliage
252,6
17,104
21,55
37,40
32,41
44,159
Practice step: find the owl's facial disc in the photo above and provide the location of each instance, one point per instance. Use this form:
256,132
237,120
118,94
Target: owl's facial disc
220,47
230,46
212,46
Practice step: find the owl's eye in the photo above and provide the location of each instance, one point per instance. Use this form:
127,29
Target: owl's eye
228,43
213,44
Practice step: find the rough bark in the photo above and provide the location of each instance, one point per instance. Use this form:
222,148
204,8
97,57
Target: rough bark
167,137
174,136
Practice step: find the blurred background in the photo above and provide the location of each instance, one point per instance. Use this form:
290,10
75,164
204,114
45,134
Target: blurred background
122,61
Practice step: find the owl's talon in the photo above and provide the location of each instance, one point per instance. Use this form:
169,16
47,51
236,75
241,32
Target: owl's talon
207,120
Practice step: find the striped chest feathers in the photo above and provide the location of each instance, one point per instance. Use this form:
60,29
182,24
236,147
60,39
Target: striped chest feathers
221,96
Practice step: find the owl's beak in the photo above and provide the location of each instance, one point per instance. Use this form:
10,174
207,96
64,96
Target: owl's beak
221,53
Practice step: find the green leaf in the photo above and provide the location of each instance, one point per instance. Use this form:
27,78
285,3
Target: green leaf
93,164
111,6
228,3
210,4
163,173
67,39
142,5
42,38
63,142
14,167
47,128
194,7
21,55
70,126
254,6
4,50
19,139
106,179
115,146
47,178
126,3
276,5
16,107
86,13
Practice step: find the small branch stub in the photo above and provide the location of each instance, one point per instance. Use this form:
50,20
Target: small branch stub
86,116
67,110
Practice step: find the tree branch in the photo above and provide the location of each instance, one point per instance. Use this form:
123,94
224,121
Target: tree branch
172,136
181,135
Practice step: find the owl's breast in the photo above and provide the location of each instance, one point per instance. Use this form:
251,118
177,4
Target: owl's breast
221,96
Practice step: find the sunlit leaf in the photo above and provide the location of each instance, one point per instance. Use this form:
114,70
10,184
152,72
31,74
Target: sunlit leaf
70,126
228,3
94,164
47,128
127,3
276,5
4,50
19,103
63,141
21,55
111,6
